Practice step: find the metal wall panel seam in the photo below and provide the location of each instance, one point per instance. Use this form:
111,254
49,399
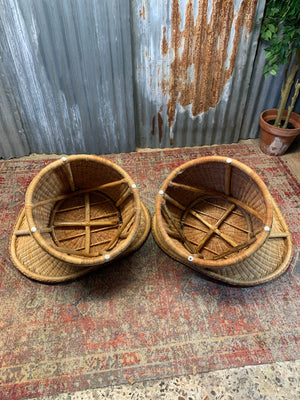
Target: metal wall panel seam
264,93
72,98
197,96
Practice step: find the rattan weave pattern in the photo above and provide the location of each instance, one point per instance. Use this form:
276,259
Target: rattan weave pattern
267,263
213,212
83,209
35,263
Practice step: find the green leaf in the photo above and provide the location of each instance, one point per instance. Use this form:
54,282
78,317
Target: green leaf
280,29
268,35
268,56
266,70
272,28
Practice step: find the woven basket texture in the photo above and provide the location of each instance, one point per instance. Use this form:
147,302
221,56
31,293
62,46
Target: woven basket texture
269,262
39,265
83,210
213,212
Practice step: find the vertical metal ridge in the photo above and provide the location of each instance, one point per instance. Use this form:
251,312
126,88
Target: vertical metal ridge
90,76
206,51
10,122
264,93
68,66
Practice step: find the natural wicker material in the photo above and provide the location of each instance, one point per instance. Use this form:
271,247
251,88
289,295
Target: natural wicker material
269,262
213,212
83,209
35,263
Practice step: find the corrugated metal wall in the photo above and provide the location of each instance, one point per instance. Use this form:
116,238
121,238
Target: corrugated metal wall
264,93
90,76
193,62
66,77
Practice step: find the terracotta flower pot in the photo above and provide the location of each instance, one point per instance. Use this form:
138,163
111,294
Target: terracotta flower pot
275,141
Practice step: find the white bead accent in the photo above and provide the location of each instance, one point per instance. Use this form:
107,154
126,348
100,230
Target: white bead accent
64,159
133,186
161,192
191,258
267,228
229,160
107,256
33,229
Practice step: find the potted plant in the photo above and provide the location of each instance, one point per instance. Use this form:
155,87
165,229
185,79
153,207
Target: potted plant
281,32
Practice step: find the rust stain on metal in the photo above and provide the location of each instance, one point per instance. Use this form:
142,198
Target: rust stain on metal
246,19
143,13
164,43
200,71
175,78
186,57
153,125
248,12
160,125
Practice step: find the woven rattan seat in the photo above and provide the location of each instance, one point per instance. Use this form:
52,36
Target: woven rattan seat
269,262
213,212
35,263
83,210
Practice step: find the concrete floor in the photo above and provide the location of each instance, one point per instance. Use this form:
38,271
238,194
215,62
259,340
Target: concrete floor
278,381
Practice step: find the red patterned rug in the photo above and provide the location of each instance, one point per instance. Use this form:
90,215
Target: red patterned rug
147,316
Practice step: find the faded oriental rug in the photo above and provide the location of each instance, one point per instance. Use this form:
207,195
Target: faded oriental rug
146,316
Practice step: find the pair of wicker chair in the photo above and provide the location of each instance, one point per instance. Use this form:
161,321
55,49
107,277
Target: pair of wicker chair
213,214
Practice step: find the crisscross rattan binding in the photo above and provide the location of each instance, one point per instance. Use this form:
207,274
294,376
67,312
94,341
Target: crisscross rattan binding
29,258
176,228
267,263
213,211
83,209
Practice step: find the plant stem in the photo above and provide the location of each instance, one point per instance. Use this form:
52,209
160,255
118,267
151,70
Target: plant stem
287,88
291,107
285,73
